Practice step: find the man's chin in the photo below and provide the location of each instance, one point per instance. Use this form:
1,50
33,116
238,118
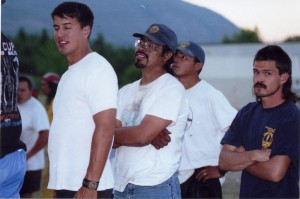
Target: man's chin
138,64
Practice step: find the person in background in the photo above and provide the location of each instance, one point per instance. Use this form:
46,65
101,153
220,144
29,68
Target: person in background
210,116
35,129
49,86
12,149
145,108
84,110
263,140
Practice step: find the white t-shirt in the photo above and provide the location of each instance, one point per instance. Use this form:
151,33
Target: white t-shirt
147,166
210,114
34,120
86,88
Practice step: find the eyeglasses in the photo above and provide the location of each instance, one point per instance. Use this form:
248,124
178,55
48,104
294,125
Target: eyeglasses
146,44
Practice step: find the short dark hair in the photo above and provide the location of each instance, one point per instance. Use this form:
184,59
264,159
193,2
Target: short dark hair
283,64
24,78
76,10
168,63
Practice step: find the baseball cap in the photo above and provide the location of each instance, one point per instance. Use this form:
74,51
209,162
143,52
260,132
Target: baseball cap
190,48
51,77
160,34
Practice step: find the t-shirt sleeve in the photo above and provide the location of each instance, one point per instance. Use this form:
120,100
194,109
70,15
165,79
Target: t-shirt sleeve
102,88
286,140
168,103
41,121
233,135
223,111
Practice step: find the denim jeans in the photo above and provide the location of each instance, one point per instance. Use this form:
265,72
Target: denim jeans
170,189
12,172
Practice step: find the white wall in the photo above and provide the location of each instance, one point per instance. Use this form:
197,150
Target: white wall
229,68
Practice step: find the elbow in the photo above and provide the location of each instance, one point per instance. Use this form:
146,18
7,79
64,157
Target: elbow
276,176
223,165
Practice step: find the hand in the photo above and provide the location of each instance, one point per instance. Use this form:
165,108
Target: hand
208,172
86,193
262,155
162,139
240,149
116,145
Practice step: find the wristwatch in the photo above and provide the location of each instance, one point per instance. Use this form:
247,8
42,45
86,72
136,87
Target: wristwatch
90,184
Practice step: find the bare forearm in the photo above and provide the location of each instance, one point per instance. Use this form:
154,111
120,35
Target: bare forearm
272,170
101,145
235,161
143,134
130,136
41,142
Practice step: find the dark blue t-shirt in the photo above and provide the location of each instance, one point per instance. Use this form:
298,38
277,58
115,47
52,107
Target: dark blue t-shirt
277,129
10,123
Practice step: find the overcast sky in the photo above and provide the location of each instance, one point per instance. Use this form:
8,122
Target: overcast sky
275,19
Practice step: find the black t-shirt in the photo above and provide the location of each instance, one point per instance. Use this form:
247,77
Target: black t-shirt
11,125
274,128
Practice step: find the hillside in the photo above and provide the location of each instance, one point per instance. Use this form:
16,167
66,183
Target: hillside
118,19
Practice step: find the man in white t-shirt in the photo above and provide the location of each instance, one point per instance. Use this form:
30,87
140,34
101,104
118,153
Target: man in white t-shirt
35,129
210,116
145,108
84,110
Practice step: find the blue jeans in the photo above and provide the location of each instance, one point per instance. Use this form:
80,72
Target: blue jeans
12,171
170,189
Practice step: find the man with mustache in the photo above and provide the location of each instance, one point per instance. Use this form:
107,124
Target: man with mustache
263,139
145,108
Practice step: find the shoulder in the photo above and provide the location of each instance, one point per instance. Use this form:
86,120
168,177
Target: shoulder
249,108
131,86
95,62
170,82
211,92
36,103
291,110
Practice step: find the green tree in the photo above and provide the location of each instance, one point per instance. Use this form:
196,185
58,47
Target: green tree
244,36
38,54
292,39
120,58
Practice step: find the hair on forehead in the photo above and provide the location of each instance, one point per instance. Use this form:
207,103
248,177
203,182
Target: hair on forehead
77,10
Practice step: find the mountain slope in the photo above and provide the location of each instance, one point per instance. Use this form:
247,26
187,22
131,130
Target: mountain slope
118,19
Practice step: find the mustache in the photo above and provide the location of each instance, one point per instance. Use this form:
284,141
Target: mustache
260,85
140,52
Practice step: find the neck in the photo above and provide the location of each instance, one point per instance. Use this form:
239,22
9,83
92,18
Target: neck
149,76
189,81
72,59
271,104
273,100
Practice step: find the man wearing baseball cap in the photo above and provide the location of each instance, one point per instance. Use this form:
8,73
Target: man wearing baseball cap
209,116
153,104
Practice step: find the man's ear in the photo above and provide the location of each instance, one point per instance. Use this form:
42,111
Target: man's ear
87,31
284,77
198,66
168,55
